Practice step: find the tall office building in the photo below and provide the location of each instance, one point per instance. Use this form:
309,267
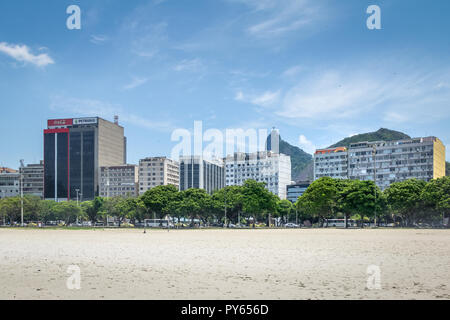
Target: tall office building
265,166
158,171
196,172
33,179
74,151
119,181
385,161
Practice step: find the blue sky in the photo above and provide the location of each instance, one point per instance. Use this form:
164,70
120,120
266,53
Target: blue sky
310,68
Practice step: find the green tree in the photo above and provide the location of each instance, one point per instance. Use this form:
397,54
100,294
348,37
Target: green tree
285,208
93,208
405,199
195,204
47,211
320,199
158,198
67,211
126,208
10,208
257,201
112,208
358,197
436,196
231,199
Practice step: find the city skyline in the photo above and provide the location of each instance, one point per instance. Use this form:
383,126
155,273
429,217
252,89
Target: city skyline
312,70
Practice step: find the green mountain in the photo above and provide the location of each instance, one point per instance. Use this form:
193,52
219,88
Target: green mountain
447,169
380,135
300,160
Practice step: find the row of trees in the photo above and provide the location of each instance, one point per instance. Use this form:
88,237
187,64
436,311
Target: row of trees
409,202
250,202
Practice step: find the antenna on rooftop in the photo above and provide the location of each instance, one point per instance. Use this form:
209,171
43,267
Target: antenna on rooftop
116,120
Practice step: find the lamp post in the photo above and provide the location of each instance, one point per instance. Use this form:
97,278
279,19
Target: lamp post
21,192
225,203
375,182
78,204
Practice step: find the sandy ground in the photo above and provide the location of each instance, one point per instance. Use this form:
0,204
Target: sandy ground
225,264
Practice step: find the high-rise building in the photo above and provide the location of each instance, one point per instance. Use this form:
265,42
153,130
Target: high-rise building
74,151
33,179
119,181
198,173
332,162
265,166
385,162
158,171
9,184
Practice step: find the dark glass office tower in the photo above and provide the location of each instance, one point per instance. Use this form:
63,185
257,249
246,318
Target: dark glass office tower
74,150
201,174
56,163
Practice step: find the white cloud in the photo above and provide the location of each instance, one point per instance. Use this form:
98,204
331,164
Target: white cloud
346,93
266,99
106,110
136,82
277,17
98,39
22,53
328,95
306,145
293,71
189,65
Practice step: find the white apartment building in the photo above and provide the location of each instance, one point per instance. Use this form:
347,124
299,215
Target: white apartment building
118,181
158,171
33,179
272,168
332,162
9,184
385,162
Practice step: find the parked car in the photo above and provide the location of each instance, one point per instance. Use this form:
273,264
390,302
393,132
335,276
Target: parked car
291,225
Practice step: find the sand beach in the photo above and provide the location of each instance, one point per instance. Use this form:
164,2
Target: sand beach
225,264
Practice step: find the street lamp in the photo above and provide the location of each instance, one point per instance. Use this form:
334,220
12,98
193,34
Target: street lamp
225,203
21,191
375,182
78,193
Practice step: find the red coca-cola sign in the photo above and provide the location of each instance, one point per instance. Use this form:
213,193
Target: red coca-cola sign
59,122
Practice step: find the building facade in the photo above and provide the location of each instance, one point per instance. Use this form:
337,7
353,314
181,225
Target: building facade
294,191
331,162
265,166
195,172
74,151
33,179
119,181
9,184
385,162
158,171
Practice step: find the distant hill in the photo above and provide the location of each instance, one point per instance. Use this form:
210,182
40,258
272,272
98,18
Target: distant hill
300,160
447,169
380,135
